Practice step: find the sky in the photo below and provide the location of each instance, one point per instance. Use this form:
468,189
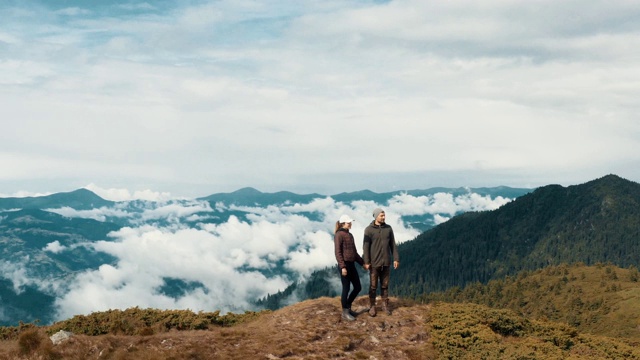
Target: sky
191,98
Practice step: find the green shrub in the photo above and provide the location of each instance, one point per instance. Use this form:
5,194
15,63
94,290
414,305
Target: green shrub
136,321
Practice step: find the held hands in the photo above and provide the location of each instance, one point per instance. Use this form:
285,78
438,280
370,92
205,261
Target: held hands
368,266
344,271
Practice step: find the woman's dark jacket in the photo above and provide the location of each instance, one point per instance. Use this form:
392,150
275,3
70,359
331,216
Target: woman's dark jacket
345,248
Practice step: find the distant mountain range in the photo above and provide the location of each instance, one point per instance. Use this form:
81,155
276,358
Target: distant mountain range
83,199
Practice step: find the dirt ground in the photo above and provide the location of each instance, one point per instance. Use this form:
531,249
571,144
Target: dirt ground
311,329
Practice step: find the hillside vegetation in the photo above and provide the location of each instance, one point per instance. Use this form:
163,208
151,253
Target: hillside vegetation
600,299
313,329
598,221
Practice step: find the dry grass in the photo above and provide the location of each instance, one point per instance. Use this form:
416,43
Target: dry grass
313,329
603,300
308,330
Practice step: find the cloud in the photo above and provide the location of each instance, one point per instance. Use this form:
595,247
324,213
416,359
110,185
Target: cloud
237,261
23,194
16,272
135,7
19,272
99,214
73,11
147,255
311,254
175,210
114,194
55,247
175,85
444,203
7,38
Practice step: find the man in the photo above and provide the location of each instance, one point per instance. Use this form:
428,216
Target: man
379,244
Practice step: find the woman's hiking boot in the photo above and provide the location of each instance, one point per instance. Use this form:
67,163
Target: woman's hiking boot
346,315
352,313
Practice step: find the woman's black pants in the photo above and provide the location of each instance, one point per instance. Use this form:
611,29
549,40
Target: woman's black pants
351,278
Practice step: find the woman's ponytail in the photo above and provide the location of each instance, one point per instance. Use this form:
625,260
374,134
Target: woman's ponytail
338,226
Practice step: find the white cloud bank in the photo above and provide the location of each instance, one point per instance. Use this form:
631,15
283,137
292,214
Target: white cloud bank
232,259
114,194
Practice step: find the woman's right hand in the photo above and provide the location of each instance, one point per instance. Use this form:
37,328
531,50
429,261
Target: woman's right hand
344,271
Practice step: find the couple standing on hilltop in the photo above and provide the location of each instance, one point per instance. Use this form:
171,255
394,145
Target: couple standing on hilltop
378,246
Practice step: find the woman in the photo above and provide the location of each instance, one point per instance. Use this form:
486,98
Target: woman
347,256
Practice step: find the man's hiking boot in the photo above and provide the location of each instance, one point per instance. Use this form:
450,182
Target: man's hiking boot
385,306
372,307
346,315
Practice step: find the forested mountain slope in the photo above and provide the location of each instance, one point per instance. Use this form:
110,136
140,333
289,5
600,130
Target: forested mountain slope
598,221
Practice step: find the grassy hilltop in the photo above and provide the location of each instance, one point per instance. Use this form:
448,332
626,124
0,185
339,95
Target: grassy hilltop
561,312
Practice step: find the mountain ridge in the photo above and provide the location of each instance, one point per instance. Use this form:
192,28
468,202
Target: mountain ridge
84,199
252,197
80,199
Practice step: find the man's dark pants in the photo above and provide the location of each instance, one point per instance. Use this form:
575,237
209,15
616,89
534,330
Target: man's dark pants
382,274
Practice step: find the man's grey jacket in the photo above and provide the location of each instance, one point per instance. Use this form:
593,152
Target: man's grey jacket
379,245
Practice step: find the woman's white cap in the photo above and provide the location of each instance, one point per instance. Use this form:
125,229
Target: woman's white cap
345,219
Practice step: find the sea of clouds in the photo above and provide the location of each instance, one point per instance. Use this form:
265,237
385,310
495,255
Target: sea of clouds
232,261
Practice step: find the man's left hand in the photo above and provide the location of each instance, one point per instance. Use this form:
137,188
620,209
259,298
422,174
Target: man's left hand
396,264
